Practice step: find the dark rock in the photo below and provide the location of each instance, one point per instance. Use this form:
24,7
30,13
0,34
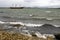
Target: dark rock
33,34
47,25
57,36
16,25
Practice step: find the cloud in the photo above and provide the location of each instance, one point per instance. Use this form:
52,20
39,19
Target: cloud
42,3
7,3
31,3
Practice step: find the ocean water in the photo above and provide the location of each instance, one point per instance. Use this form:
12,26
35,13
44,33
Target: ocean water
32,18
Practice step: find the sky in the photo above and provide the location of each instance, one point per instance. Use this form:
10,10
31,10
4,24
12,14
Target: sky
30,3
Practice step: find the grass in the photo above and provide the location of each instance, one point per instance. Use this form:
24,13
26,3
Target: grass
17,36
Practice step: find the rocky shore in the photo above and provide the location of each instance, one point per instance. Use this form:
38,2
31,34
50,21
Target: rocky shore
12,30
18,36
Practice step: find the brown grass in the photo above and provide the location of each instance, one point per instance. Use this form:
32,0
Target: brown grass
17,36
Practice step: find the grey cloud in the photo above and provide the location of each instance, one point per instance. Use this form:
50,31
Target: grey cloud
31,3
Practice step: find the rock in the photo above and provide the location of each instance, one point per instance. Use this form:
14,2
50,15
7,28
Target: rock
57,36
47,25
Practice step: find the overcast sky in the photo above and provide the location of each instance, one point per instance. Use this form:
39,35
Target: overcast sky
30,3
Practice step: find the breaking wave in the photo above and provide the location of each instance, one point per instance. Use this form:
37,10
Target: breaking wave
21,23
26,24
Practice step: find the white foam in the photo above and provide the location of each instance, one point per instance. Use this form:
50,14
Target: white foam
30,15
49,18
26,24
21,23
33,25
16,23
57,25
2,22
48,11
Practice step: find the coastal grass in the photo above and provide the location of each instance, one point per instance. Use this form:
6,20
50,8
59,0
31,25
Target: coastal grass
17,36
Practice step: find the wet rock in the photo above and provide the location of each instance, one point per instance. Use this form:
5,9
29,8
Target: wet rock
57,36
16,25
47,25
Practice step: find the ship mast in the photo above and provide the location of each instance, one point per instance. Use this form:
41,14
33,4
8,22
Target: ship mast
17,6
14,5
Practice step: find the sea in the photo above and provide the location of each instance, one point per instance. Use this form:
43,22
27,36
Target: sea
31,17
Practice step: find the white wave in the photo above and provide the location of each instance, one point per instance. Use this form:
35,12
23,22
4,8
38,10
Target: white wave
57,25
16,23
33,25
21,23
26,24
2,22
49,18
48,11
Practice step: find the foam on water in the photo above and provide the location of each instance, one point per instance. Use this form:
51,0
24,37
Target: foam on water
33,25
57,25
21,23
26,24
16,23
2,22
48,11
